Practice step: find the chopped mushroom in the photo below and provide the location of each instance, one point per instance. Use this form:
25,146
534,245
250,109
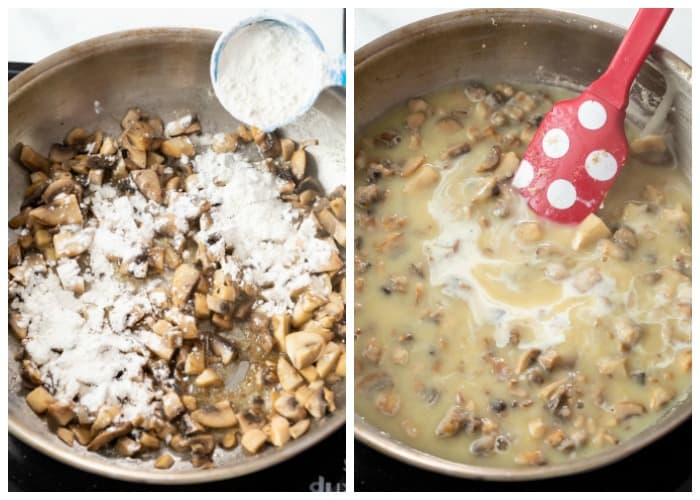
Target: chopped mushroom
62,210
424,178
589,231
164,461
628,409
279,430
208,378
220,416
530,458
185,279
650,149
253,440
149,184
108,435
39,400
493,158
304,348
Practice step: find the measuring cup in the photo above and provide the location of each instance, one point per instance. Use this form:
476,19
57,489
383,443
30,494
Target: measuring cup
333,73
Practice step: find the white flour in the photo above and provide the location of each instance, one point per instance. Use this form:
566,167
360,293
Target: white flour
273,247
269,74
89,348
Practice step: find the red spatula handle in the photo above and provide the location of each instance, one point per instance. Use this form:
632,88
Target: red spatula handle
614,85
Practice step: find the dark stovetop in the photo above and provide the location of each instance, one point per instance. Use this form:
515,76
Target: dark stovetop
662,466
321,468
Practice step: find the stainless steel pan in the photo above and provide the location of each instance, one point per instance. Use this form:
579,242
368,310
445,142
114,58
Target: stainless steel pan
165,71
522,46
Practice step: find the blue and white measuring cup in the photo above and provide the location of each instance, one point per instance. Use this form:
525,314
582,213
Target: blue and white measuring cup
334,74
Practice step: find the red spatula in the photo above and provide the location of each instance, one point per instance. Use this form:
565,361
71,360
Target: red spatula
580,146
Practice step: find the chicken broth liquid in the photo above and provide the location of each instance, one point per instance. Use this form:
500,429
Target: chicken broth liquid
487,335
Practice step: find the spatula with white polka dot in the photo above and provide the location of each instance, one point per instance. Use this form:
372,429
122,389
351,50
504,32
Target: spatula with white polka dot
580,146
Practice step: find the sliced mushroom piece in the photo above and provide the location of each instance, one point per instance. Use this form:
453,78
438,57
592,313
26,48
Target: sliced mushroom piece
39,400
72,244
289,407
60,413
65,435
483,446
300,428
316,404
109,146
148,182
367,195
31,376
64,184
660,396
208,378
62,210
328,360
220,416
14,255
172,405
105,416
127,447
453,422
18,325
108,435
140,135
187,124
149,441
388,402
185,279
526,360
253,440
287,147
224,143
288,376
493,158
228,440
627,333
628,409
33,161
165,461
132,116
280,324
528,231
651,149
279,430
305,307
626,237
455,151
425,178
219,306
177,147
304,348
507,166
530,458
589,231
298,164
333,226
610,249
226,350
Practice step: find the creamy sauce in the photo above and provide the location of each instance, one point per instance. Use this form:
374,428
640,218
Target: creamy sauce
456,280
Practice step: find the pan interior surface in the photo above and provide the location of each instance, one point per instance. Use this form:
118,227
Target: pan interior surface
523,46
92,84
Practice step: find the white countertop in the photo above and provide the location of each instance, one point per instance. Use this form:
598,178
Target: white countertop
35,33
676,36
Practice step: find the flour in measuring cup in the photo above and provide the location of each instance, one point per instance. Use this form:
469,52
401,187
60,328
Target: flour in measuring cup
269,74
